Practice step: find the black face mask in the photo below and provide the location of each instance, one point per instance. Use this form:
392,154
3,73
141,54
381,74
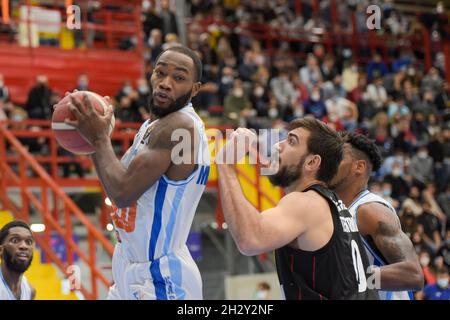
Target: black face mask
15,266
175,106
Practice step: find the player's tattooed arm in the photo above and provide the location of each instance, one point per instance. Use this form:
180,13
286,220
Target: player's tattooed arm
403,271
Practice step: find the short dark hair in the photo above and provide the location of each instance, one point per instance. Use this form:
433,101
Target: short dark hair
323,141
191,54
367,146
16,223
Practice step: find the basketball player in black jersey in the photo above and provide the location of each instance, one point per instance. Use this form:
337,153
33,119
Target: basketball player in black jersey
319,254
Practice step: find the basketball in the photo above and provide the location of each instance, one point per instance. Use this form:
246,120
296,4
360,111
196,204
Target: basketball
68,136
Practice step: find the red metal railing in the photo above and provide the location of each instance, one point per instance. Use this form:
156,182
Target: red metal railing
113,24
50,215
371,39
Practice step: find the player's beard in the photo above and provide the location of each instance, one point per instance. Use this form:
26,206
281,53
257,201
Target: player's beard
287,175
176,105
15,266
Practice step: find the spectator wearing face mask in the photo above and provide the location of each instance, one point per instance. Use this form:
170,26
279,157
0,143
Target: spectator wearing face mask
424,259
126,90
226,82
440,290
315,105
310,74
377,94
284,91
386,194
413,201
143,98
432,80
260,100
237,107
263,291
83,82
431,227
39,102
400,188
421,167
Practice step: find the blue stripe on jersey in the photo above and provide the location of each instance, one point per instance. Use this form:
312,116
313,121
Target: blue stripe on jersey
158,280
157,217
375,256
174,263
172,218
203,176
177,276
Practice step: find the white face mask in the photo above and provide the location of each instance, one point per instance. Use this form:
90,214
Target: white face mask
315,96
423,154
146,5
143,89
396,172
273,113
238,92
259,92
298,113
18,117
261,294
442,282
127,89
424,261
227,79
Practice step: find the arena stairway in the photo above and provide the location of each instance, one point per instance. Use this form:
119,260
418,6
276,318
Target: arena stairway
257,189
42,276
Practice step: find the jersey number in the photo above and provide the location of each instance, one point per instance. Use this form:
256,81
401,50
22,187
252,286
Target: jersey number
359,268
124,218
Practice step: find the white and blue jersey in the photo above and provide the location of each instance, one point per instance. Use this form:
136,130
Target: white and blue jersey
374,258
6,293
151,260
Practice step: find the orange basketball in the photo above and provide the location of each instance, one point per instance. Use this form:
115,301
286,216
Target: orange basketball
68,136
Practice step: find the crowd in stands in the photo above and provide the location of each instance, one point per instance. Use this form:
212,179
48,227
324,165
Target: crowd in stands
401,105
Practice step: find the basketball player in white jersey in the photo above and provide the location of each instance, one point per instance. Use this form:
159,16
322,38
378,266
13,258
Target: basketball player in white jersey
156,197
386,244
16,251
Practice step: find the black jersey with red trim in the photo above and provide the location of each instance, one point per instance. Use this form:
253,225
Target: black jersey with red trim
335,271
